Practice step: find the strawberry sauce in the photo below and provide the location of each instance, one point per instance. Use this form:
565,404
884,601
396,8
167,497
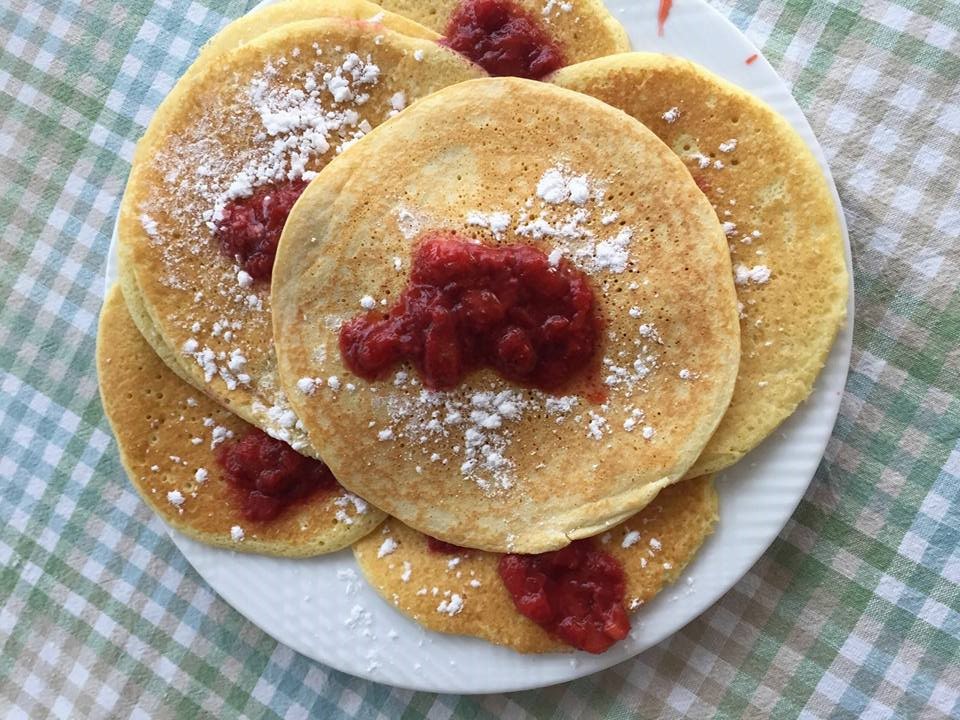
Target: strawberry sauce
469,306
575,593
270,475
250,228
502,39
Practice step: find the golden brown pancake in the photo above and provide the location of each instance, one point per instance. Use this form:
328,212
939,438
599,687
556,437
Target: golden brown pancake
274,110
489,464
235,34
583,29
166,432
660,541
781,222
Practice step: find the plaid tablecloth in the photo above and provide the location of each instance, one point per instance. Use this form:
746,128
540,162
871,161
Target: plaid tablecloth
854,611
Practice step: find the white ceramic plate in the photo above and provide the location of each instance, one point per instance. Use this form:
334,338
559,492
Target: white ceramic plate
306,604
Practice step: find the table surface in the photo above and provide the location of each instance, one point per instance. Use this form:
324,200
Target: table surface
853,612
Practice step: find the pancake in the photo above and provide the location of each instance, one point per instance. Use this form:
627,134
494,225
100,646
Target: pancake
256,23
671,530
489,464
235,34
155,418
785,240
581,29
261,116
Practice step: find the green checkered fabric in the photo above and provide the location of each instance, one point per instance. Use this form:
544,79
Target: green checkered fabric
853,613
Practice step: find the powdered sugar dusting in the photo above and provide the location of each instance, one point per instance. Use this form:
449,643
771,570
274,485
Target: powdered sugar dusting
559,185
481,423
388,547
569,229
279,421
149,225
757,275
347,502
302,121
496,222
554,7
451,606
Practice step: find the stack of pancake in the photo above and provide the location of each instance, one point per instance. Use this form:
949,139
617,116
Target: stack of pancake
290,187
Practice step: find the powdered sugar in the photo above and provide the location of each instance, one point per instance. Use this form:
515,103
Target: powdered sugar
299,123
451,606
597,426
560,187
757,275
560,406
345,503
612,254
398,101
175,498
636,415
388,547
555,5
307,385
497,222
280,421
671,115
218,434
480,424
149,225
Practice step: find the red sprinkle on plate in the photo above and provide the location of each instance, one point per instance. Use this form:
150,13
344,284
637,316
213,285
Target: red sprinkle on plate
663,12
752,59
